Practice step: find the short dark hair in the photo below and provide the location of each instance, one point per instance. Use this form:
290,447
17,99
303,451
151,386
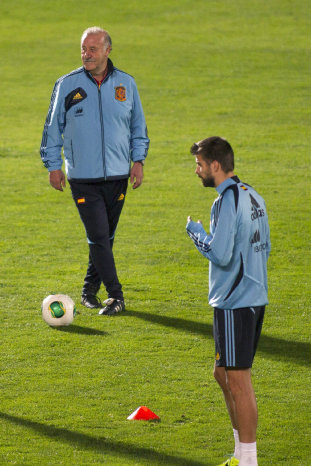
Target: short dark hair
215,148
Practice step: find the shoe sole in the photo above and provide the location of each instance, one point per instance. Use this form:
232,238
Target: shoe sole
90,307
111,313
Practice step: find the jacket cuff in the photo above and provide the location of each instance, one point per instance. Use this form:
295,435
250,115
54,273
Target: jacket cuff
53,166
137,158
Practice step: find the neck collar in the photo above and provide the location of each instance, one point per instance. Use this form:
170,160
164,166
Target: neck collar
228,182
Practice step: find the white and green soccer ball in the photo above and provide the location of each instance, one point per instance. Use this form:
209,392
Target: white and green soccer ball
58,310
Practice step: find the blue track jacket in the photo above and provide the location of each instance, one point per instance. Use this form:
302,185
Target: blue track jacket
237,247
101,129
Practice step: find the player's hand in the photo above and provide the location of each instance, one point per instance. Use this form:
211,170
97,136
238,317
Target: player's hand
57,179
137,174
189,219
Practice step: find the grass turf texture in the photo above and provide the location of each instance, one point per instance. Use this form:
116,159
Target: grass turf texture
236,69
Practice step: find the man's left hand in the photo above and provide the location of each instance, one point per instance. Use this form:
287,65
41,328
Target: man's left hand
189,219
137,174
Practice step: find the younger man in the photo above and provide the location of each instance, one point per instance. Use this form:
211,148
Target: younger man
237,247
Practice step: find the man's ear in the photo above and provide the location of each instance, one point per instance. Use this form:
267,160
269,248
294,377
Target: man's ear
215,166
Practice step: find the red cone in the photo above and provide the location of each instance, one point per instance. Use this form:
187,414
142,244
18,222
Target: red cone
143,414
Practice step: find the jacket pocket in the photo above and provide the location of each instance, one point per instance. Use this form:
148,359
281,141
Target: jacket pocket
72,155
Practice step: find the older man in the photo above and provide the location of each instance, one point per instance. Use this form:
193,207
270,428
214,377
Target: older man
96,116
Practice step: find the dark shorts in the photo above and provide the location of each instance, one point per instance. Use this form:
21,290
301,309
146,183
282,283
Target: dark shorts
236,335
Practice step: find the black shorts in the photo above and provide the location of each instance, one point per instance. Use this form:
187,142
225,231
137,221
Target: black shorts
236,335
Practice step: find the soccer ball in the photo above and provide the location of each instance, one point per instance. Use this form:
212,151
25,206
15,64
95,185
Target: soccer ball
58,310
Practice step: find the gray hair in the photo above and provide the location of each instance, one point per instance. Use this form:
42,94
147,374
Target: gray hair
97,30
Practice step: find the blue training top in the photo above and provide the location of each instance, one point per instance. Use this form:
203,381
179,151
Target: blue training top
237,247
101,129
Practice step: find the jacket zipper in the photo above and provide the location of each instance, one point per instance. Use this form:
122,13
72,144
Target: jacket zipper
101,117
102,130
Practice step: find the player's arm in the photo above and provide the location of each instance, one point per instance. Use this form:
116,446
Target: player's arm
52,139
217,246
199,236
139,142
268,241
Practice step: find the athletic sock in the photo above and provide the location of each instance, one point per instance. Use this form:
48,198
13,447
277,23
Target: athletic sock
248,454
236,453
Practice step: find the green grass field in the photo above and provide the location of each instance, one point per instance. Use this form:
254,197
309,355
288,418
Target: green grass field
203,67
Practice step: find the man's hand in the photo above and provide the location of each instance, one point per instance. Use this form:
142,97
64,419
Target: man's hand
57,179
189,219
137,174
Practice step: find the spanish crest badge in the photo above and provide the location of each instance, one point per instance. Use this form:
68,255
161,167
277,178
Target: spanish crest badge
120,93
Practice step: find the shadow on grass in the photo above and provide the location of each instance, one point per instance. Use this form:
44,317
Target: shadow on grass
100,444
81,330
190,326
272,347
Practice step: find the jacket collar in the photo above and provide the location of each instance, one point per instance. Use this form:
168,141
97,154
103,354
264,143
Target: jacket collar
109,71
228,182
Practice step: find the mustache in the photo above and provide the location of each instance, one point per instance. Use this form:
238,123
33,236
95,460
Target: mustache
88,60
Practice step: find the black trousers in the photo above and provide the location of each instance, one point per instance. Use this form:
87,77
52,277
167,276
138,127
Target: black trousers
100,205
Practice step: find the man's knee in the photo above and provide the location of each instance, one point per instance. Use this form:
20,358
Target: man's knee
239,381
98,237
220,377
97,231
